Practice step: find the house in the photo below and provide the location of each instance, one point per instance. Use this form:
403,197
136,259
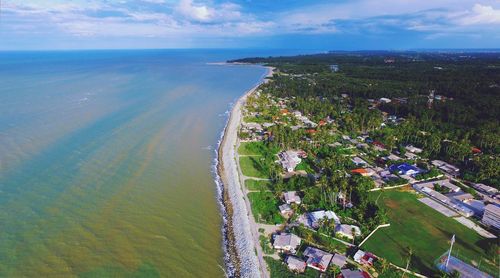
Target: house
289,160
413,149
317,259
443,183
314,218
446,167
334,68
393,157
404,169
291,197
358,161
339,260
384,100
378,146
364,258
490,191
349,231
296,264
286,242
347,273
411,156
491,216
285,210
361,171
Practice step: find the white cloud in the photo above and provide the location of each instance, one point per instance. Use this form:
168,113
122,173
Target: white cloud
482,14
195,11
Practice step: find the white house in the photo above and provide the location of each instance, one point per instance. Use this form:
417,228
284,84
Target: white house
286,243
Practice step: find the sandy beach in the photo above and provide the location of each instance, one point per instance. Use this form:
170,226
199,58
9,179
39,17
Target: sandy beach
243,244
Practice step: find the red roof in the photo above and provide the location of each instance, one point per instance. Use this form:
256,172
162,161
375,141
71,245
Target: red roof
322,123
377,143
311,131
476,150
360,171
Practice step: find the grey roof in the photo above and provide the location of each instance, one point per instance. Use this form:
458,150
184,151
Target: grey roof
347,273
317,257
339,260
296,263
283,240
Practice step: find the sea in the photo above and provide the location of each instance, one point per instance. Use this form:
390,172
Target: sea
106,161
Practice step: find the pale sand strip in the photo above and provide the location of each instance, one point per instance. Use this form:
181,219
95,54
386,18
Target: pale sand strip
243,226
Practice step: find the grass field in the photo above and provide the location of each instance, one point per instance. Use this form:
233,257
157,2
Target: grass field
252,166
426,231
265,207
255,148
258,185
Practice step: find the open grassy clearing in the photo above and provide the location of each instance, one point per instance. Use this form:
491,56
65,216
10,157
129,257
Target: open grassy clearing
254,166
258,185
426,231
255,148
265,207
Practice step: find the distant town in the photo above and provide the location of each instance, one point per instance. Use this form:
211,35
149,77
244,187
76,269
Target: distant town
356,165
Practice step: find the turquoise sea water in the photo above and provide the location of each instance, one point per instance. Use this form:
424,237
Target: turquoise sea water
105,161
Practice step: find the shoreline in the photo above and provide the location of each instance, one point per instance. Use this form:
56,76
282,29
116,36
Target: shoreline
243,254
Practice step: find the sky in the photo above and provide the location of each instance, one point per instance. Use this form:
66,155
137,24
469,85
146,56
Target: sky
267,24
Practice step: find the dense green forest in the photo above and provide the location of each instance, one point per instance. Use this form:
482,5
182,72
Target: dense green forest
448,102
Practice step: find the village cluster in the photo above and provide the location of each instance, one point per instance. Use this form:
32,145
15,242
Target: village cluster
438,185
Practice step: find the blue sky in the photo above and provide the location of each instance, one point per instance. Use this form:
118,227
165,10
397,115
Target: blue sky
293,24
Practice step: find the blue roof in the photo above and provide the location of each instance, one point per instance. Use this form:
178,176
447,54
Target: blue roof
403,168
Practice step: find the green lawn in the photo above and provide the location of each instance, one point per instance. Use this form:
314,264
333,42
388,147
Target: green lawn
258,185
253,166
427,232
255,148
265,207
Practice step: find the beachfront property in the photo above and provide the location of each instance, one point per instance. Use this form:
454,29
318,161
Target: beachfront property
287,243
317,259
349,231
289,160
291,197
313,219
366,172
446,167
296,264
491,216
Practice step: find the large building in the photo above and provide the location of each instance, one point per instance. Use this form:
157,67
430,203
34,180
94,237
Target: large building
491,216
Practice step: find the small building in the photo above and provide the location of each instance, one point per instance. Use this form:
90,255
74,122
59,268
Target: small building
491,216
443,183
313,219
385,100
339,260
286,242
446,167
413,149
358,161
363,172
488,190
291,197
348,273
296,264
285,210
289,160
317,259
364,258
334,68
349,231
405,169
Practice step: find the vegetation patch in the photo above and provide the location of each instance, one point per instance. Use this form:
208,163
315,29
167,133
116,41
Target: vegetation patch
265,207
254,166
426,232
256,148
258,185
